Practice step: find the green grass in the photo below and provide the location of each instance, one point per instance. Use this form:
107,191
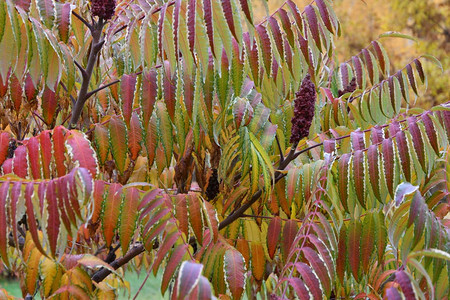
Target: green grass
151,289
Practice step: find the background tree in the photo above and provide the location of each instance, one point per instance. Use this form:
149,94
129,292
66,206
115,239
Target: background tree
239,156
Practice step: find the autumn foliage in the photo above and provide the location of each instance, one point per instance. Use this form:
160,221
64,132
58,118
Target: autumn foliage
237,157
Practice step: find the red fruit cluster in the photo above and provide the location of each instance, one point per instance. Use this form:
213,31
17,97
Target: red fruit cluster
103,8
303,110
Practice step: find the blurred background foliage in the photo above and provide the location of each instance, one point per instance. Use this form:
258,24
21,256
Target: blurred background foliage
364,20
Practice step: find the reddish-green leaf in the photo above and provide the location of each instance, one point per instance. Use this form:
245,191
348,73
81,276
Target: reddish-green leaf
276,33
169,84
211,214
367,241
324,14
149,94
99,190
173,262
128,217
111,211
118,140
246,10
81,151
273,235
376,46
354,253
207,16
101,141
419,69
359,176
234,272
165,130
63,19
151,139
33,156
369,64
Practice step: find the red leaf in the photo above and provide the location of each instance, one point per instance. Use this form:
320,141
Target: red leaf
429,129
377,48
80,150
388,163
169,240
110,216
405,283
49,105
276,33
7,166
369,64
181,213
46,152
135,136
419,69
14,199
354,253
393,294
286,23
273,235
211,212
358,176
246,10
59,150
266,48
15,90
228,12
188,277
127,88
204,288
253,60
3,222
207,16
289,232
173,262
195,216
53,222
319,268
324,14
299,288
357,138
99,190
417,141
403,152
313,25
20,162
295,12
412,81
64,21
169,84
311,280
358,71
4,145
30,90
374,174
33,154
234,272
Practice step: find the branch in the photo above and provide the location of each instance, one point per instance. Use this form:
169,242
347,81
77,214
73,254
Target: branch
132,253
83,20
88,95
82,70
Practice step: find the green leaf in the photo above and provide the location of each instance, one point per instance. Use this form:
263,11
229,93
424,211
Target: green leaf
397,34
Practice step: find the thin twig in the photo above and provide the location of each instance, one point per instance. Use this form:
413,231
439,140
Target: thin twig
67,91
88,95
